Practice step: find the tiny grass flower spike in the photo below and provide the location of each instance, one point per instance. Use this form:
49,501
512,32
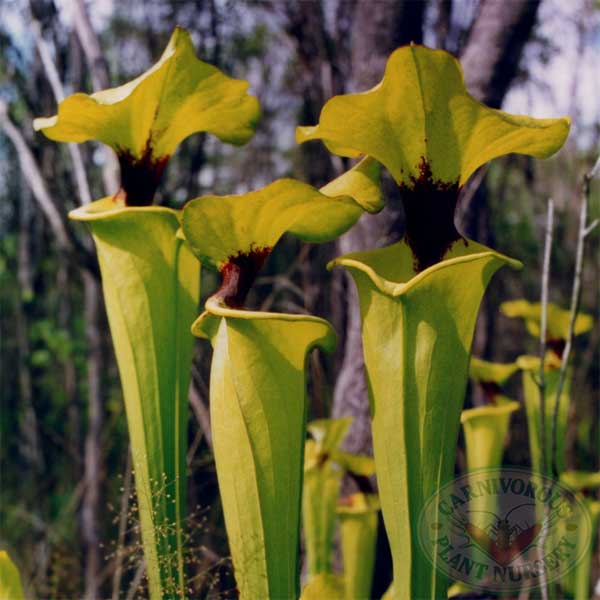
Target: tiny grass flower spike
146,119
258,380
419,298
557,331
149,276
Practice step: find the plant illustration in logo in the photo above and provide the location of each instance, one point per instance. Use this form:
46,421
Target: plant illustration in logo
150,278
419,297
510,548
257,392
557,331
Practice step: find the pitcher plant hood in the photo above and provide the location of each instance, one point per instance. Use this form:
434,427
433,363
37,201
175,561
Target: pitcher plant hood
145,120
421,117
431,135
557,321
236,234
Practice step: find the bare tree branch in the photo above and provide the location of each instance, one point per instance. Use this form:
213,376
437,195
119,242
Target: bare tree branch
491,56
36,181
541,382
57,88
92,307
100,80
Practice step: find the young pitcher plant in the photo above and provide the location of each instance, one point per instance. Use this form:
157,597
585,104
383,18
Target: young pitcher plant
485,427
150,278
557,331
419,298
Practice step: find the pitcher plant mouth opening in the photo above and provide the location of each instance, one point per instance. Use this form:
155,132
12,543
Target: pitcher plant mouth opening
238,275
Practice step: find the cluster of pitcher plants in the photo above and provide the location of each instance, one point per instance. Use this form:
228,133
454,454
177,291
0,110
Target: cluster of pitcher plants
419,299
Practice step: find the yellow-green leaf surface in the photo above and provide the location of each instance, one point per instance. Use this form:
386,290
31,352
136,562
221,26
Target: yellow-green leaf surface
458,588
324,587
421,114
11,587
178,96
530,366
485,429
258,420
222,227
417,332
558,318
151,283
484,371
581,480
358,518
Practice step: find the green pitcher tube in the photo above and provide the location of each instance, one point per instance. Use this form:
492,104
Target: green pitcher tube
150,278
151,282
485,429
578,582
258,412
358,516
322,482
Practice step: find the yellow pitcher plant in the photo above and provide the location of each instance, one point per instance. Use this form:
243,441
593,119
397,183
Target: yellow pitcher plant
419,297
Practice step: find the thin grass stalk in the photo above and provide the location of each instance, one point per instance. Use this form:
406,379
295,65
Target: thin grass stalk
584,231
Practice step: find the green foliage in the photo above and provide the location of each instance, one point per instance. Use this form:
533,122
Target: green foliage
577,582
358,517
558,319
221,228
324,466
485,429
530,366
419,298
